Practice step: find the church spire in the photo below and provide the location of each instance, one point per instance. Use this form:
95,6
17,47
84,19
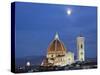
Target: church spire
56,36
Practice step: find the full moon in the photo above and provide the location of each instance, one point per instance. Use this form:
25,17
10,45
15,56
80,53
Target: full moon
69,11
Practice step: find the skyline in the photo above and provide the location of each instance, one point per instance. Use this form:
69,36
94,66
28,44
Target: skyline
36,26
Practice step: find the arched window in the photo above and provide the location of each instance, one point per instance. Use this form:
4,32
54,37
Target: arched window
81,46
81,53
82,59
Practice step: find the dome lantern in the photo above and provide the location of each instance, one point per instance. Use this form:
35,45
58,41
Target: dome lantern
56,36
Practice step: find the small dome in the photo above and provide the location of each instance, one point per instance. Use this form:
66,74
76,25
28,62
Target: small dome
56,45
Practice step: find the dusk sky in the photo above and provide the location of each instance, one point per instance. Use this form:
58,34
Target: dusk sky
36,25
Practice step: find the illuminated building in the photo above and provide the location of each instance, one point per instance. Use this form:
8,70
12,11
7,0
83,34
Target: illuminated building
70,57
80,48
57,54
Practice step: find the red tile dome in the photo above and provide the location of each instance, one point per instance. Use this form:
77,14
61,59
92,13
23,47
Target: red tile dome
56,45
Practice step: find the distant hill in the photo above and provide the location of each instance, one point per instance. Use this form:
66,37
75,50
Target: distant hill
35,60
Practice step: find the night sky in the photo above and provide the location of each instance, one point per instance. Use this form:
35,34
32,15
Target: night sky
36,25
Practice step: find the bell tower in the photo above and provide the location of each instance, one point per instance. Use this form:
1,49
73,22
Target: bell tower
80,48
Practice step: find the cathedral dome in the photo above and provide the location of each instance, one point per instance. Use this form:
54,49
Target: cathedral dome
56,45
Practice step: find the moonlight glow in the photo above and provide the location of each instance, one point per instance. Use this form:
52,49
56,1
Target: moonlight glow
69,11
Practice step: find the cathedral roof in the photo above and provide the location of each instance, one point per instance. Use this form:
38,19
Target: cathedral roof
56,44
